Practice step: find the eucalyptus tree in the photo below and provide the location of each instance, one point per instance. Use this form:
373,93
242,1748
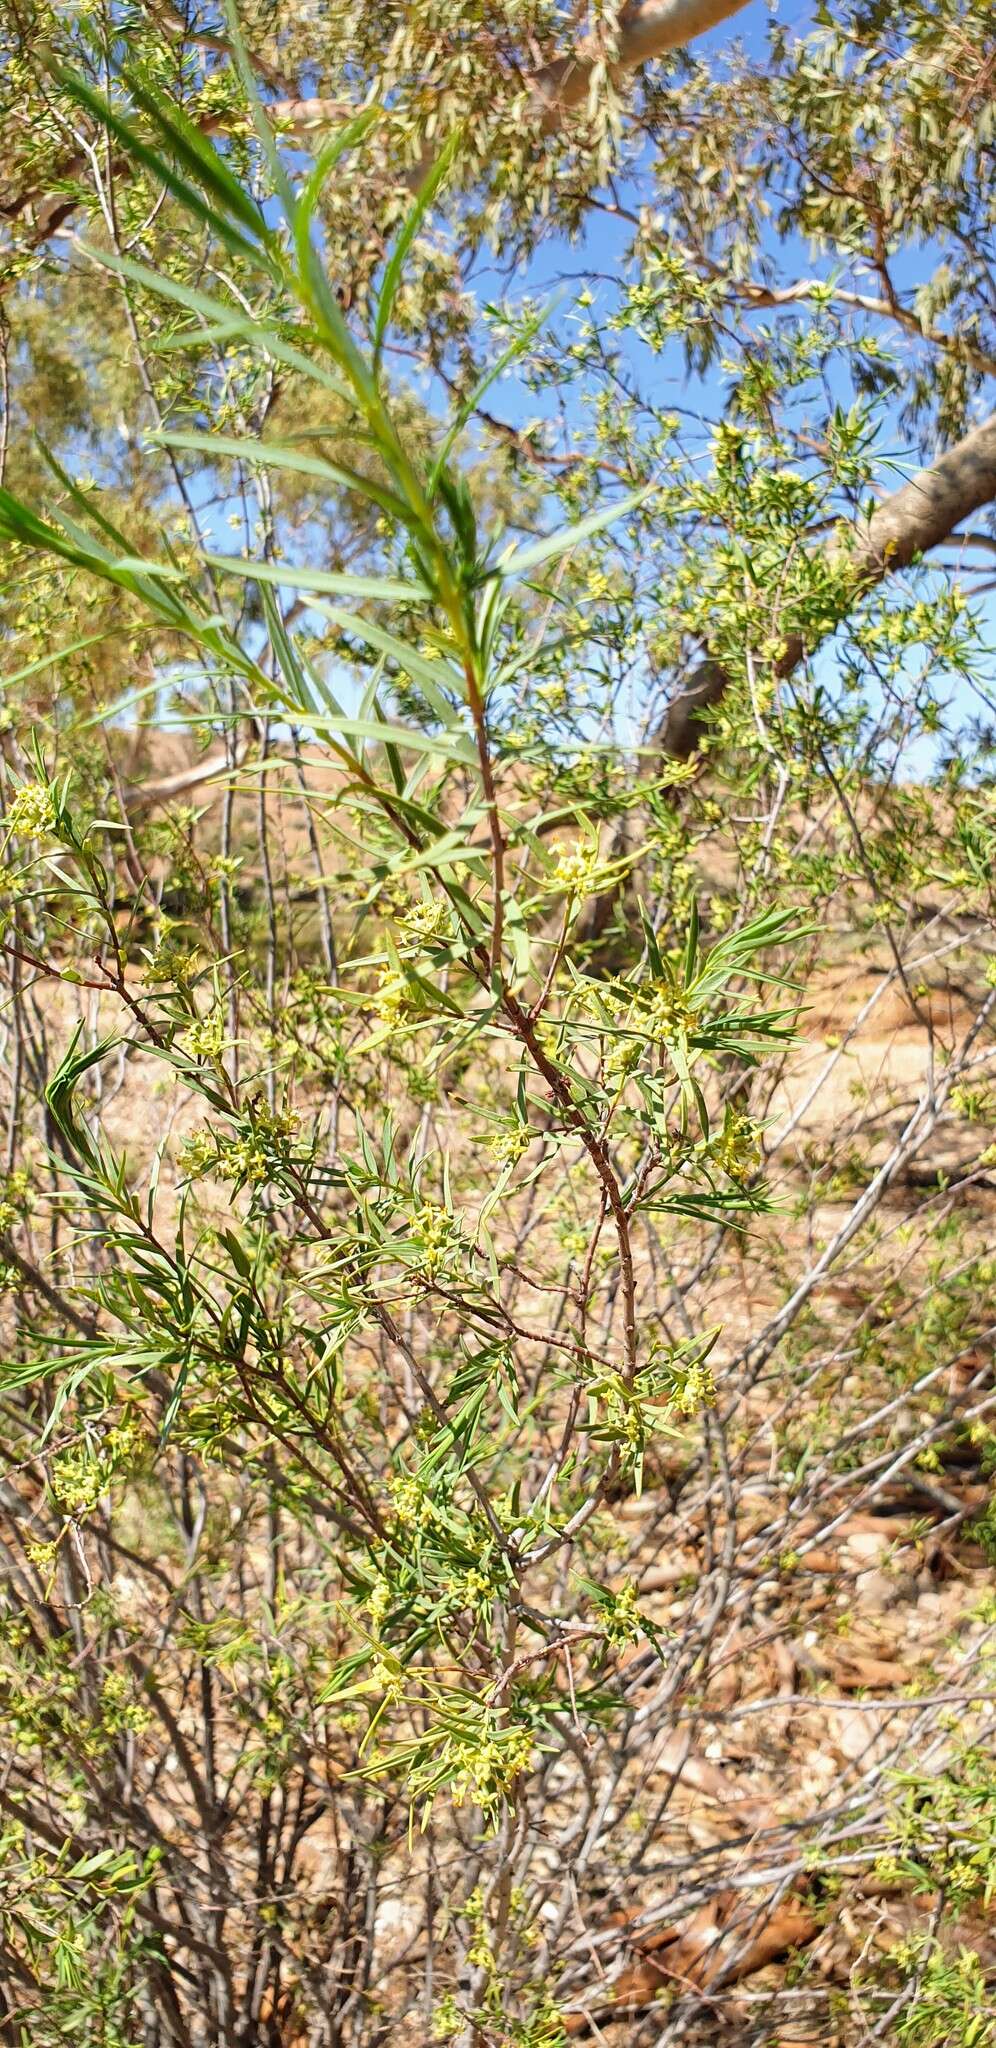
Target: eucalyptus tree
844,172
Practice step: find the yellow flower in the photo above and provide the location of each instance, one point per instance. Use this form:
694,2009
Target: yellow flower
576,872
737,1149
32,811
670,1010
506,1147
206,1036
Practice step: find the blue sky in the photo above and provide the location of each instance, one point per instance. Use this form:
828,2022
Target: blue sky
600,253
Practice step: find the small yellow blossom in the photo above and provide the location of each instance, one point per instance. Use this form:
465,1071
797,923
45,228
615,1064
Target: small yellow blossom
32,811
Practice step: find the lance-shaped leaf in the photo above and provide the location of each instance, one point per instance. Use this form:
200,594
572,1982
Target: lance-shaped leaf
490,376
222,322
291,577
60,1094
256,247
554,545
335,146
280,456
406,236
427,674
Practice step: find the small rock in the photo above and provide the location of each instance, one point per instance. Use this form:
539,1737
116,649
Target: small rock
877,1591
856,1734
396,1926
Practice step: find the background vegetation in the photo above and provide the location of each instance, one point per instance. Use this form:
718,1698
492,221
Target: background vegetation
496,1049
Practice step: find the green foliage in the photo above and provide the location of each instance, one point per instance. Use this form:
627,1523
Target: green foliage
945,1828
949,2001
441,1550
383,1232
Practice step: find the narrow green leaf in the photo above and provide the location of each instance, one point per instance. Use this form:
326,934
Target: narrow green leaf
449,850
60,1094
346,137
279,455
198,154
427,674
406,236
88,504
554,545
172,1408
290,577
468,408
692,942
457,746
302,697
653,949
110,712
329,317
267,139
72,545
60,654
220,318
370,709
187,195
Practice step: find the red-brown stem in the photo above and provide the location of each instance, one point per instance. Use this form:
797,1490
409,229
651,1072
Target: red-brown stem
598,1153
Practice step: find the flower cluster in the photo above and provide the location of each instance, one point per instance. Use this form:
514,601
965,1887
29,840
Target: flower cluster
685,1378
32,812
13,1198
736,1149
491,1767
426,921
436,1234
576,872
83,1472
413,1507
206,1035
507,1146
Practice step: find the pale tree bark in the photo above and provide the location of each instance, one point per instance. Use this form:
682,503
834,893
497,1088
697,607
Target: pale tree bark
644,33
919,516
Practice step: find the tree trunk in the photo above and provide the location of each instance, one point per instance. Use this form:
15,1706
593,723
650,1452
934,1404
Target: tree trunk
919,516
